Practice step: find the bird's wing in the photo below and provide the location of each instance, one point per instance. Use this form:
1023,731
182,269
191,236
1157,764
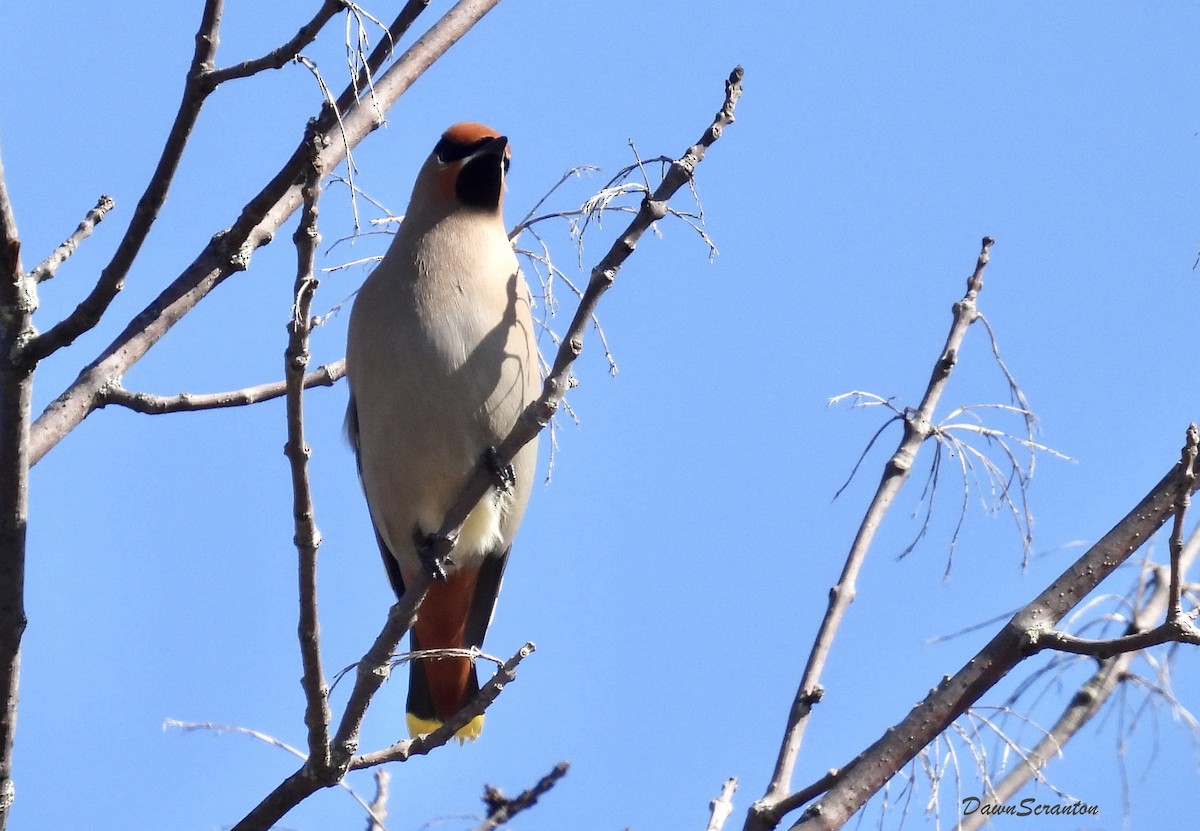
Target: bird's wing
487,589
389,560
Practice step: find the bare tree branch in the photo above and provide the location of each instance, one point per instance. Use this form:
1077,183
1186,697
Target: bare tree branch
1182,501
721,807
308,539
112,279
17,304
202,79
918,426
1177,627
186,402
378,809
284,54
1091,695
1173,631
266,738
501,809
47,268
404,750
373,670
230,251
857,781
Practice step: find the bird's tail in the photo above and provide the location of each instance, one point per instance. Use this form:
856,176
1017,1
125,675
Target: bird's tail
437,689
441,685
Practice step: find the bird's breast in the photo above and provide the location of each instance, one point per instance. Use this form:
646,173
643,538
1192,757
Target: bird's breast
442,360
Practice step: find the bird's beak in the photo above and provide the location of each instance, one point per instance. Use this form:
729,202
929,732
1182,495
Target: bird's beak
496,147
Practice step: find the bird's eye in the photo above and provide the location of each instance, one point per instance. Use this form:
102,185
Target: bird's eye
448,150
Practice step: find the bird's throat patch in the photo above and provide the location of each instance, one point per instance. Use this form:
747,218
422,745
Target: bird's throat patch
480,182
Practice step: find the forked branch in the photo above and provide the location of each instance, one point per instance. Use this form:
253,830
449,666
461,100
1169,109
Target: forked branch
1177,627
860,779
1093,694
112,279
283,54
918,426
501,809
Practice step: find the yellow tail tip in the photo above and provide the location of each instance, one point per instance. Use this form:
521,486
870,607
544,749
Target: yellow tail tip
418,726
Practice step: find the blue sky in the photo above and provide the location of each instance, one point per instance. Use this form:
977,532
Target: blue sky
674,571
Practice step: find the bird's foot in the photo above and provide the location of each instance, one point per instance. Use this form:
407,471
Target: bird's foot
505,475
427,547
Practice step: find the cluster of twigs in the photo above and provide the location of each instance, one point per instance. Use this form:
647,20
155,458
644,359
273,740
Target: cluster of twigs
377,81
923,739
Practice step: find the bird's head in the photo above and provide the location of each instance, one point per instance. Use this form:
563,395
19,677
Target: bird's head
466,170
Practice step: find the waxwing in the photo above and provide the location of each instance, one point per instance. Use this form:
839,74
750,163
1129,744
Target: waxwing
441,360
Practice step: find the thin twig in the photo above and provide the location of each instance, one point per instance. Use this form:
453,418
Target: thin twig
365,79
808,793
550,301
1182,502
282,55
331,107
377,811
47,267
721,807
573,173
501,809
186,402
214,727
358,44
1173,631
265,738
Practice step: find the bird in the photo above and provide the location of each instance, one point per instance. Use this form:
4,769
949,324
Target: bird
441,360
